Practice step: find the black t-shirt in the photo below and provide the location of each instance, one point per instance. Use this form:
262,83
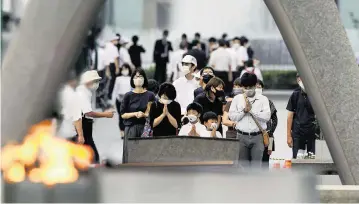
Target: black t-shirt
165,128
198,91
304,116
135,54
134,102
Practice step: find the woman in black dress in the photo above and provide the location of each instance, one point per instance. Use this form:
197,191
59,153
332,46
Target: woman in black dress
165,114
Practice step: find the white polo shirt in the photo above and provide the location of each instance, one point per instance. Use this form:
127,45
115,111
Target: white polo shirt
206,133
220,60
85,99
70,111
185,88
188,127
111,53
254,70
260,109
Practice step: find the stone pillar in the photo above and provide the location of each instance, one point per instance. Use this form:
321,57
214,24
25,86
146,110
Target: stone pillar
321,51
46,45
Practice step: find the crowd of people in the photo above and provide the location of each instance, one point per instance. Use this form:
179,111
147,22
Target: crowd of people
205,95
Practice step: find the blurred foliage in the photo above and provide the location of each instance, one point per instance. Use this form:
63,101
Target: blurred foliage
277,79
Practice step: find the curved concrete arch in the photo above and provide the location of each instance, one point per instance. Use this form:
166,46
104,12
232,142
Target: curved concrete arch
321,51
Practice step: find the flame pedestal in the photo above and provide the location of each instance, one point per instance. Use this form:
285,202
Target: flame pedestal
84,190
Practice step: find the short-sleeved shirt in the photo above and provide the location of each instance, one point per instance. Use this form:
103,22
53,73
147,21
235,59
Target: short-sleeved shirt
135,102
207,105
85,99
185,88
186,129
198,91
304,116
165,128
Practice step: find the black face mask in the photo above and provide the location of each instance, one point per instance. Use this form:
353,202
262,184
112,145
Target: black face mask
206,78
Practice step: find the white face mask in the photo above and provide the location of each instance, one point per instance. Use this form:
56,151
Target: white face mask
95,86
300,83
213,126
259,91
125,72
186,69
192,118
138,82
165,101
235,45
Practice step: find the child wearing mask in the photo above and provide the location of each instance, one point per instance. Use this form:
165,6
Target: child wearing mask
194,126
122,86
211,122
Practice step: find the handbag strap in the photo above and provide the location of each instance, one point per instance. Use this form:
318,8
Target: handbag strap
254,118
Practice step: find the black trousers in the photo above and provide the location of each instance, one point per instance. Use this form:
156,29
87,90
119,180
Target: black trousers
87,125
161,72
302,140
120,120
112,80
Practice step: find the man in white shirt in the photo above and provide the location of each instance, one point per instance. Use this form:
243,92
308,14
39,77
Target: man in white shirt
71,123
175,61
194,126
243,108
221,61
187,84
111,61
210,120
242,54
89,82
250,68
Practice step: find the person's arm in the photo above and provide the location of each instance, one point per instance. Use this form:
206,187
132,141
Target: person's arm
264,113
142,49
290,117
124,108
115,91
219,120
274,123
173,119
236,111
79,130
157,120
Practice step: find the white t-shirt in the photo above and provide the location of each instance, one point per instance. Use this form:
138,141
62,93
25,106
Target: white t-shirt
185,89
85,99
124,57
188,127
122,86
111,53
242,55
207,133
220,60
70,111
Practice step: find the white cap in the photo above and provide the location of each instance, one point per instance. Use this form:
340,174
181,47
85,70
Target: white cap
189,59
89,76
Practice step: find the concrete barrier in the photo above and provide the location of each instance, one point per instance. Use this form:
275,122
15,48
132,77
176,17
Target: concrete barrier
321,167
181,149
338,194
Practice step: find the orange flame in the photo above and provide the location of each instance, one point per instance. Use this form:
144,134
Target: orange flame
58,159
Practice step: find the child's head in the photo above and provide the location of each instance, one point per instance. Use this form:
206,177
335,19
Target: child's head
194,111
210,120
153,86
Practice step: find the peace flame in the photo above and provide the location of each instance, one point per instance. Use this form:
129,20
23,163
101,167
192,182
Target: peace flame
44,158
